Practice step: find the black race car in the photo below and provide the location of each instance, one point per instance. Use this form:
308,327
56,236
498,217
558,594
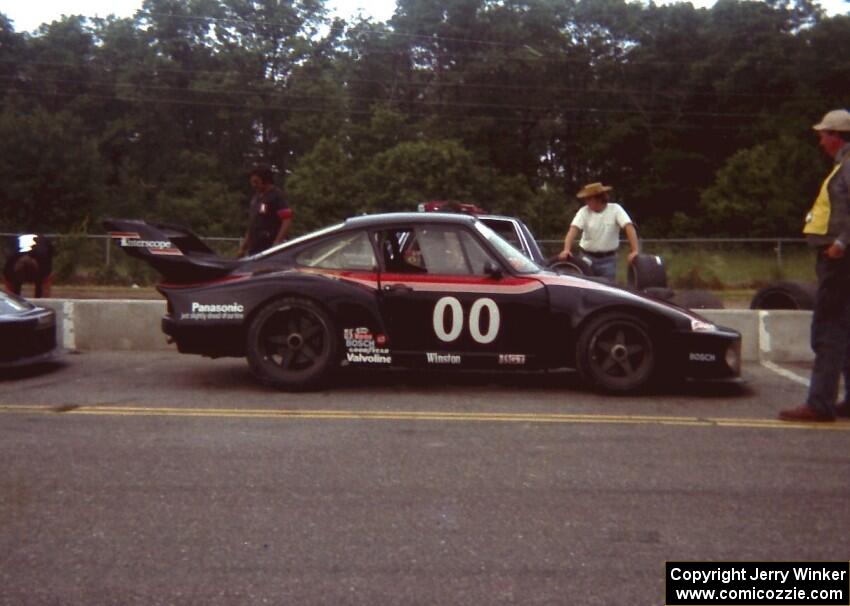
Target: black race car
416,290
27,332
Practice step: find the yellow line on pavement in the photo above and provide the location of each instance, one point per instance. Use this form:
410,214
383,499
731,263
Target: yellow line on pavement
399,415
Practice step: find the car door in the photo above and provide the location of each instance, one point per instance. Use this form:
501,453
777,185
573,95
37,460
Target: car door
447,300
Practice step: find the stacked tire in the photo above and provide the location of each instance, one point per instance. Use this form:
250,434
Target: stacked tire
785,295
647,271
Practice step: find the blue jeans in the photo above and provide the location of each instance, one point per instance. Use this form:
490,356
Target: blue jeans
830,334
604,267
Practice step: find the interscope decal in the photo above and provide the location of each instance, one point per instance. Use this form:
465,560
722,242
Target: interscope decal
757,583
134,240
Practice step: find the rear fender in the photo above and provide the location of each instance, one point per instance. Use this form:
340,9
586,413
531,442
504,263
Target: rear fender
350,305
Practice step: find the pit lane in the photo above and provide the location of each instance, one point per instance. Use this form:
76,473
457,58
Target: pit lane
151,477
167,383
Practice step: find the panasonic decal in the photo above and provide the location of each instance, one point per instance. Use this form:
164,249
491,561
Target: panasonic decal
214,311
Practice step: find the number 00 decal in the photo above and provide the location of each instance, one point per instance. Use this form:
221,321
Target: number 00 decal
455,311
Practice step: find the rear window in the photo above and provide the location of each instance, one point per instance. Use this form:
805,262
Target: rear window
348,251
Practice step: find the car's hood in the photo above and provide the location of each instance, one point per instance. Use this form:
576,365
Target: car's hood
13,306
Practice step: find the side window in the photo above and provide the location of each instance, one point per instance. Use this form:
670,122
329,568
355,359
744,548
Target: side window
432,249
400,251
349,251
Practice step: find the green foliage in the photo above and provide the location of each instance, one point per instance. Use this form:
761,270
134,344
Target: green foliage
700,118
51,176
323,187
760,192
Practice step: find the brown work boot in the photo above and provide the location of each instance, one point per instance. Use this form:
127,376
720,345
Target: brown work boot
804,414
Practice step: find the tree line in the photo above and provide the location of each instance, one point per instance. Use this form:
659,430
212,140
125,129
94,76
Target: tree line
700,118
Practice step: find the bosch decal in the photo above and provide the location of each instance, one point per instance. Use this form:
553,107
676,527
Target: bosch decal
362,347
702,357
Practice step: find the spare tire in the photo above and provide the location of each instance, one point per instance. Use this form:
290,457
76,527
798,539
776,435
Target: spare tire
575,265
697,299
785,295
647,271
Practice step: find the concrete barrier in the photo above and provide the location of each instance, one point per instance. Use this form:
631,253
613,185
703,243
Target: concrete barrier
771,335
100,324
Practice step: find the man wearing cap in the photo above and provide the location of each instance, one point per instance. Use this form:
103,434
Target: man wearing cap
599,222
827,230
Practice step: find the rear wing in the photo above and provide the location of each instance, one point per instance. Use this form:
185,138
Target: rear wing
174,251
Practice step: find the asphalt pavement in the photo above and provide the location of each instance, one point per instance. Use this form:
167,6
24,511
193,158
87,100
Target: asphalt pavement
156,478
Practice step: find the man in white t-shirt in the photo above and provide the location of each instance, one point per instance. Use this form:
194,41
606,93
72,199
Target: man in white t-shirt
599,222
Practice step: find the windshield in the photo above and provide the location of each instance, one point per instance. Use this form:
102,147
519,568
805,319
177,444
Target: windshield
518,261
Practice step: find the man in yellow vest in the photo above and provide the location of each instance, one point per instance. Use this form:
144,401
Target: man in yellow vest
827,229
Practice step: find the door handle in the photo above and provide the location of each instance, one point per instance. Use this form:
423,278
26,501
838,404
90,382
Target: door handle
397,288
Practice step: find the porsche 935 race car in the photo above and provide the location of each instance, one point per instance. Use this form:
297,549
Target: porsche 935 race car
417,290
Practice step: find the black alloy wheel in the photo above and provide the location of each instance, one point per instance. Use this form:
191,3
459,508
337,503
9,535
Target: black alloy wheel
616,353
291,344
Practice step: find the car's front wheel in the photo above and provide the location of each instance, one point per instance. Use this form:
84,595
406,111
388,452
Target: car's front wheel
616,353
291,344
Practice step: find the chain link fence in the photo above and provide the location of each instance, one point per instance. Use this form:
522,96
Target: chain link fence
721,263
711,263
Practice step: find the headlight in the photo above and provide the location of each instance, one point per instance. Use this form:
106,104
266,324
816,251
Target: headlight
702,326
733,358
46,320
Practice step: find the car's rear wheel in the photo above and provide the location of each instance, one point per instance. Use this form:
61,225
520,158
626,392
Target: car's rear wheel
616,353
291,344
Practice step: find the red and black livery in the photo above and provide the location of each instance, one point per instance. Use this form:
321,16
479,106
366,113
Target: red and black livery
418,290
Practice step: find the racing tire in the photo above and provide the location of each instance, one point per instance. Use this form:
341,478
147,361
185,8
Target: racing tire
647,271
697,299
785,295
576,265
292,344
615,353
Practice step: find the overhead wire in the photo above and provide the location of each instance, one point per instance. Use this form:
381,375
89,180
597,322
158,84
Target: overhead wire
158,70
349,111
290,96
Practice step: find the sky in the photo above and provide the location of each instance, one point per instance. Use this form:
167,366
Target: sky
27,15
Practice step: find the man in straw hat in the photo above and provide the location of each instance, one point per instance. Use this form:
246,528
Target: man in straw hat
827,230
599,222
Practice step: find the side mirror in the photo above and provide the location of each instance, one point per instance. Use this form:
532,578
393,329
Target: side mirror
492,270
